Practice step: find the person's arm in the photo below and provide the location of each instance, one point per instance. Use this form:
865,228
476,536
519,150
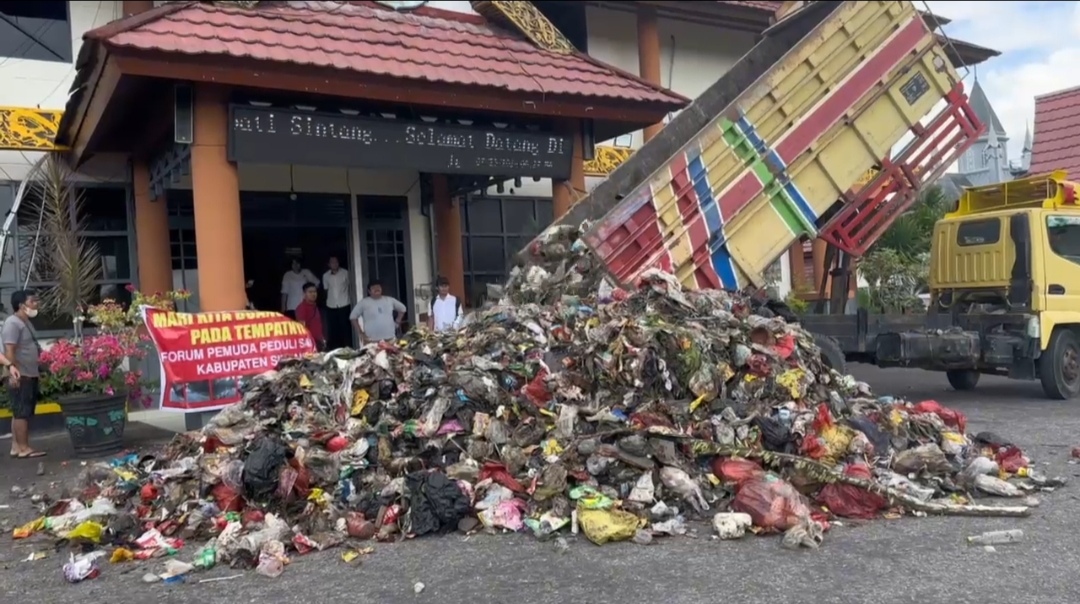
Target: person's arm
431,315
285,293
10,334
459,315
399,310
355,317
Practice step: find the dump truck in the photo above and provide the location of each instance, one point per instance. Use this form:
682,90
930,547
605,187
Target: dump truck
1004,272
773,153
770,152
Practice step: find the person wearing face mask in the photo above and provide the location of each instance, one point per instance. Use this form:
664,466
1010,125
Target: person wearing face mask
21,352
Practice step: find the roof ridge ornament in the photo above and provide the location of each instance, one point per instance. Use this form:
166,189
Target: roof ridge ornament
527,19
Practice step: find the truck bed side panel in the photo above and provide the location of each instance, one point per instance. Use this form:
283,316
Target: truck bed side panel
770,165
762,58
833,161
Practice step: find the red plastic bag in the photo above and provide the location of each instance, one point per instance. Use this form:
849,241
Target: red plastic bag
812,445
498,473
1011,459
849,501
537,391
736,469
227,499
785,346
772,503
951,417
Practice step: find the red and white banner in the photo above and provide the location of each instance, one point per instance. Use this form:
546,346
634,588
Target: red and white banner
207,357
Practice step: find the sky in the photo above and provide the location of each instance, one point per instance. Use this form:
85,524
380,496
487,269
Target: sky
1040,46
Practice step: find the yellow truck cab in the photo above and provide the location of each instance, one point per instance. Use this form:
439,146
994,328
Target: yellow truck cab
1004,289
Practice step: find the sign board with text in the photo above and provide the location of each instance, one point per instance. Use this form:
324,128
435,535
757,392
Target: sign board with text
267,135
207,357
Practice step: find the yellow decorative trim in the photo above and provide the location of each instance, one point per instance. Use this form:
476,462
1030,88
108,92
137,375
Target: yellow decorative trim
606,159
40,409
866,177
29,129
527,19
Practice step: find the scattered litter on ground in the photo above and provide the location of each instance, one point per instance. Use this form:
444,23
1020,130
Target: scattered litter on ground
569,407
219,579
997,537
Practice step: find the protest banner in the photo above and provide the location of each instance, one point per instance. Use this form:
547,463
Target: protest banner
207,357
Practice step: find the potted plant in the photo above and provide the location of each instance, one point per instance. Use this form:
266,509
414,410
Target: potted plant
96,373
93,376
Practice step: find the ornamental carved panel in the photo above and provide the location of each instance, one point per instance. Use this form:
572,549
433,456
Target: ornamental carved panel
29,129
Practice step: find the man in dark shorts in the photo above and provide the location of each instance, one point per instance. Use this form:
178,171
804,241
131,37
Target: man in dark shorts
21,350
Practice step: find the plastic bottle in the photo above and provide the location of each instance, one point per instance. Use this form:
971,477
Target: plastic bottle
997,537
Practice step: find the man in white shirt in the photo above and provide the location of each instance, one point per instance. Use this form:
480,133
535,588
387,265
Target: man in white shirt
292,287
336,283
445,312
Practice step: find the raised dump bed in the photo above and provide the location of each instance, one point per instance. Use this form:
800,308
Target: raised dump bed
772,151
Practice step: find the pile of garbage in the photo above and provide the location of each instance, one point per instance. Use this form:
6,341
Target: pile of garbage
570,406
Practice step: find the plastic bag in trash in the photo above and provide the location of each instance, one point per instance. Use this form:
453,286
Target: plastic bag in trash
603,526
772,503
850,501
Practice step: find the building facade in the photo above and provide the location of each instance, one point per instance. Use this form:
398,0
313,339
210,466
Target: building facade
39,42
189,180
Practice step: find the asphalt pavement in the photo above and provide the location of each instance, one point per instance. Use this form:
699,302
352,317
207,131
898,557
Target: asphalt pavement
921,560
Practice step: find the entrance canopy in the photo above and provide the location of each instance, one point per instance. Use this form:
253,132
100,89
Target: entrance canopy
425,57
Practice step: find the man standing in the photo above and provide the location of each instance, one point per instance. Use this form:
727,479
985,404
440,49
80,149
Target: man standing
22,351
292,287
445,312
336,283
377,317
307,312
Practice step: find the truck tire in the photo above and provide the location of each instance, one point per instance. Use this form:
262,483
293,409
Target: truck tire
963,379
831,354
1059,366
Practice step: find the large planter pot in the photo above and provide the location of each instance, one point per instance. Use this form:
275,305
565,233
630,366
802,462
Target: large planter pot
95,422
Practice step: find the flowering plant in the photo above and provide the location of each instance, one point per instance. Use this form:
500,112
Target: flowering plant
103,363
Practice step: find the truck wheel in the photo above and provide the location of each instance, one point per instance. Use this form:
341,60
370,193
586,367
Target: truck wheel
963,379
1059,366
831,354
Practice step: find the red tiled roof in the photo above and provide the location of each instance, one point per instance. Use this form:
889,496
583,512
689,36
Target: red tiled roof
1057,128
429,45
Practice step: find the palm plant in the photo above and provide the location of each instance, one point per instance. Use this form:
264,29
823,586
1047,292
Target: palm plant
62,256
909,236
897,265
